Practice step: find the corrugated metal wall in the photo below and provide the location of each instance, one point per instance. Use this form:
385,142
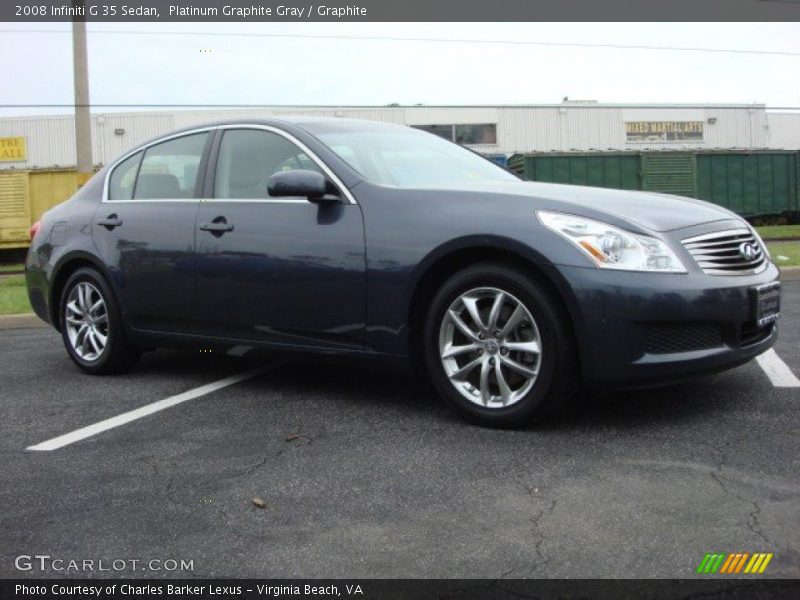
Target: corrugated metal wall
613,170
755,183
562,128
15,213
670,173
25,196
48,188
137,128
750,183
50,141
784,130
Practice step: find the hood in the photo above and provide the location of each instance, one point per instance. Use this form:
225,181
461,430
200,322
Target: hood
650,210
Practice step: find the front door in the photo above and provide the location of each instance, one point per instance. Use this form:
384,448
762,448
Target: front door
145,232
280,270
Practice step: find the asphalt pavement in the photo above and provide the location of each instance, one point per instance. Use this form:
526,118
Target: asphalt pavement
364,474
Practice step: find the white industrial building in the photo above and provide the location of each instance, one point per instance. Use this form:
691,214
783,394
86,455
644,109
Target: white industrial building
570,126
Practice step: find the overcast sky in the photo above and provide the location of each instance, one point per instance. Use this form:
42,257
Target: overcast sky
165,68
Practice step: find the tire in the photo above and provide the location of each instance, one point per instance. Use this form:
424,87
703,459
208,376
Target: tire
83,335
468,378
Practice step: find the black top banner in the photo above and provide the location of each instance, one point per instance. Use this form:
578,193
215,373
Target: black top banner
398,10
397,589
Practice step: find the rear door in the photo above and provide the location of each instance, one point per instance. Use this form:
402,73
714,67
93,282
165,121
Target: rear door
144,229
280,270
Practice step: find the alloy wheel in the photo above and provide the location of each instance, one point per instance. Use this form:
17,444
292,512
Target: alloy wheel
86,321
490,347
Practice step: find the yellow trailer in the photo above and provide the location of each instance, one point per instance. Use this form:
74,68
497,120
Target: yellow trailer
25,196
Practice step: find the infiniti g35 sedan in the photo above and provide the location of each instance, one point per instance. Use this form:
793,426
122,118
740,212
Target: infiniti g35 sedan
384,242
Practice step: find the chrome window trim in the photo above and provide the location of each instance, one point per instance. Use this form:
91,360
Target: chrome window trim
152,200
286,200
299,144
281,200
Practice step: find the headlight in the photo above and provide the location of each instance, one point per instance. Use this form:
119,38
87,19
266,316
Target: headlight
613,248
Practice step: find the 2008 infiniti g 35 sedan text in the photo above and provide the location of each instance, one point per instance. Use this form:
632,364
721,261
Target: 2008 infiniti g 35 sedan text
380,241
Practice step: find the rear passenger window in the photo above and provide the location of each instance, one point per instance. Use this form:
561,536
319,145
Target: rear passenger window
247,159
120,185
170,169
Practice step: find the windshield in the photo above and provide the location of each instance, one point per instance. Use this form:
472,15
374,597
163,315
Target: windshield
406,157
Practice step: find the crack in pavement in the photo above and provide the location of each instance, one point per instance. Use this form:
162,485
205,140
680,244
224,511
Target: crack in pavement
543,559
752,522
716,473
171,490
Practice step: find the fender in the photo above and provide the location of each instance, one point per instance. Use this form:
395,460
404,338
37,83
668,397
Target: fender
477,241
65,260
496,242
510,246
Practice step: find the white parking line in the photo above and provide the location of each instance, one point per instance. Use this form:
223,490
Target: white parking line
778,371
149,409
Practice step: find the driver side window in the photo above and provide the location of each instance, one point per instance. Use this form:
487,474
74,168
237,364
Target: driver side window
249,157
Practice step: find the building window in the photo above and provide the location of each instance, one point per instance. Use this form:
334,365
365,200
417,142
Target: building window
467,135
445,131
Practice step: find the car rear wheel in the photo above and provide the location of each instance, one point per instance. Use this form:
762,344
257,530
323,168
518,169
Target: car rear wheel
91,326
497,346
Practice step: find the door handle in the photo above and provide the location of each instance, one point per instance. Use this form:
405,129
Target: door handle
217,227
110,222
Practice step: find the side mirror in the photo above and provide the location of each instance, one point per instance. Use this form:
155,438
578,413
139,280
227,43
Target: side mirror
306,184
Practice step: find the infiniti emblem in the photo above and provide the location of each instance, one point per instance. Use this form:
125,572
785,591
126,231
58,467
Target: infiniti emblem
491,347
747,251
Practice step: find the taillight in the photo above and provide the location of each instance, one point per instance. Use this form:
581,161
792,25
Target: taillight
35,229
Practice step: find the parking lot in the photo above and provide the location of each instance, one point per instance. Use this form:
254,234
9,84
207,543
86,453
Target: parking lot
363,473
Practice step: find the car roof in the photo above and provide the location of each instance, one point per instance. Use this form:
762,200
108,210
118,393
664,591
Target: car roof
303,122
309,124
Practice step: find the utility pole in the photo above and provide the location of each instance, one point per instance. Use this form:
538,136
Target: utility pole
83,118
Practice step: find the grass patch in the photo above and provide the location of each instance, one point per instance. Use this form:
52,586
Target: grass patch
12,268
770,232
14,296
790,250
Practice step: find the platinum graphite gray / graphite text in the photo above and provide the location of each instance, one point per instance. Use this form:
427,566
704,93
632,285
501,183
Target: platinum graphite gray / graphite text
243,12
259,10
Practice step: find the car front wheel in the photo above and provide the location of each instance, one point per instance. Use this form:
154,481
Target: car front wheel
91,325
497,347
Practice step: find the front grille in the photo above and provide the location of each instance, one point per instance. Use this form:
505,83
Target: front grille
666,338
723,252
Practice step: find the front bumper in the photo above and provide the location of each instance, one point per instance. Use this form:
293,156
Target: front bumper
640,329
